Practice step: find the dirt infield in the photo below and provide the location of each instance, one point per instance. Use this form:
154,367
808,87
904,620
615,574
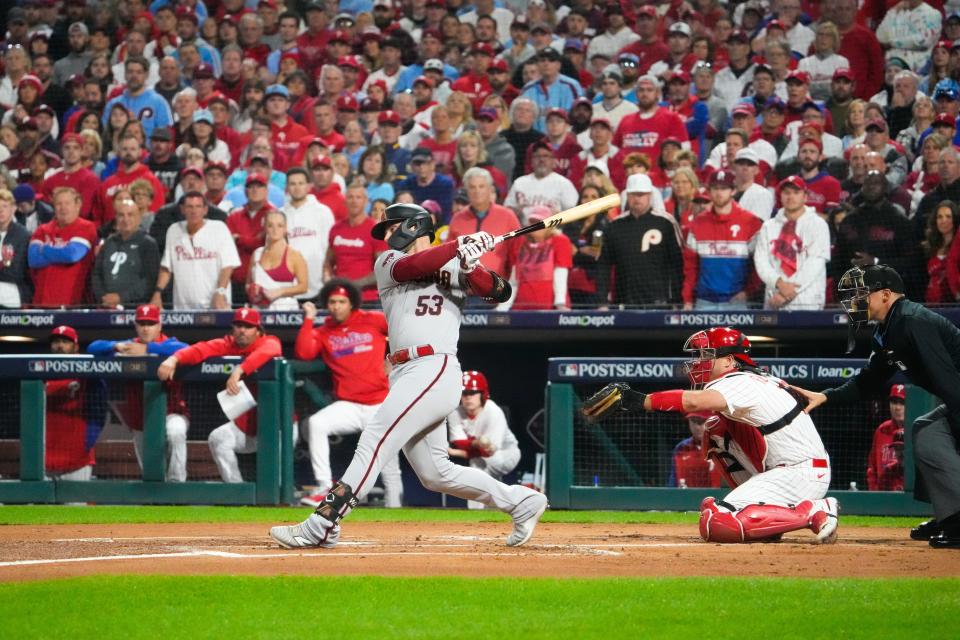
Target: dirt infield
467,549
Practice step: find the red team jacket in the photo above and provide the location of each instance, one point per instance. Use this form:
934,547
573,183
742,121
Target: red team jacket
353,350
721,265
885,463
75,414
262,350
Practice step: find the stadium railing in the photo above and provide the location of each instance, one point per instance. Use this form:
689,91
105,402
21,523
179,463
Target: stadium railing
624,461
273,465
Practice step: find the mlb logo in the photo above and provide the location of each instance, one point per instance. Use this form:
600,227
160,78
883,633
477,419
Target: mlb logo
119,319
569,370
673,319
37,366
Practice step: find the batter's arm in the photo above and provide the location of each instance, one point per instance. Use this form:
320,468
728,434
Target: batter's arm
422,264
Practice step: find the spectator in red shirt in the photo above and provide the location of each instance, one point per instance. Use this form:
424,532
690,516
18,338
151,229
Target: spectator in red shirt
885,462
61,253
246,226
941,232
566,149
539,266
131,169
285,134
352,250
325,190
322,125
247,339
859,45
442,144
650,47
821,186
475,84
688,465
73,174
312,43
484,214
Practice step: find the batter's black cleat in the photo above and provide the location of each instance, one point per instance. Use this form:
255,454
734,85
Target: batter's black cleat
926,530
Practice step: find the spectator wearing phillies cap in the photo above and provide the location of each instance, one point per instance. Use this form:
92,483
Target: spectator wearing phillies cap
726,229
823,64
325,189
498,74
650,47
128,262
552,90
792,252
247,339
745,120
475,84
885,460
798,94
841,97
562,143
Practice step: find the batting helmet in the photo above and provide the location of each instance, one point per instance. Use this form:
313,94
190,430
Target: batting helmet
474,381
414,221
707,346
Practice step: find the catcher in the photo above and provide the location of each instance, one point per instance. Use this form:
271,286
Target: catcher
764,444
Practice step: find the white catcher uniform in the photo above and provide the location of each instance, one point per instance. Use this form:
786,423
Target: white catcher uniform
795,466
492,423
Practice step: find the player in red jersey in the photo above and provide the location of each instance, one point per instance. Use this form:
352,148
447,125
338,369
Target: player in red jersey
61,253
247,339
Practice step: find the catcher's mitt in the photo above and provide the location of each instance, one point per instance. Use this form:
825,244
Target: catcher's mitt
615,396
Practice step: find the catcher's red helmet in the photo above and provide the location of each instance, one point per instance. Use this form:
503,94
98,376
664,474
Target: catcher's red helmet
706,346
476,381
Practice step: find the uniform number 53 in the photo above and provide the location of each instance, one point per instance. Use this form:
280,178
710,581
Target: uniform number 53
429,306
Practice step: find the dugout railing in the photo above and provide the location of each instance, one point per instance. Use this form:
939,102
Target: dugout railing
624,461
26,376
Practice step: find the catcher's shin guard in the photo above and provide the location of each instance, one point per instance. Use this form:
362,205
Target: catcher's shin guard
338,502
752,523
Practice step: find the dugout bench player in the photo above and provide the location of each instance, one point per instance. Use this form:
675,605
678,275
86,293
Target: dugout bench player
768,449
925,347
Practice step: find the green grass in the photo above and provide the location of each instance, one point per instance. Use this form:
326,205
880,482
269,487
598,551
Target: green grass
296,608
54,514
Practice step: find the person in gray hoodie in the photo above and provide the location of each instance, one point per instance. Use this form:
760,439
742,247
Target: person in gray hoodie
129,261
500,153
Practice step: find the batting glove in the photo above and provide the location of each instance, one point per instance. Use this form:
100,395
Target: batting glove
470,255
487,241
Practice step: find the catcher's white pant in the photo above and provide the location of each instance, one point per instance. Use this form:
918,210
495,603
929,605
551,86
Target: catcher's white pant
423,392
226,441
782,486
499,464
340,418
177,426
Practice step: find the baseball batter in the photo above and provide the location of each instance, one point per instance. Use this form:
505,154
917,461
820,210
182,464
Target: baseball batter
767,447
423,290
352,343
479,432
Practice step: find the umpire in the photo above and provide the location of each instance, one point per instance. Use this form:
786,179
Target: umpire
924,346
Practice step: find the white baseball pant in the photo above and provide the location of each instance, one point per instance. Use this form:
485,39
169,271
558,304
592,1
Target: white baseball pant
83,474
341,418
226,441
496,466
782,486
177,426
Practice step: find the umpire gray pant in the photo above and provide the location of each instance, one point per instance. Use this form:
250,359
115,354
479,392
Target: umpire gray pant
937,456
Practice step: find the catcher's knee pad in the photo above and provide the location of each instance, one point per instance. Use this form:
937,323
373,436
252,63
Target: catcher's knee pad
752,523
338,502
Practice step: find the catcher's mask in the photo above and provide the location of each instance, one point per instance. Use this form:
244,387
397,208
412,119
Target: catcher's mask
414,221
707,346
855,287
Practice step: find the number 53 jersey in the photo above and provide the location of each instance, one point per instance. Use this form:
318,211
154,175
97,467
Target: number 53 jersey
426,311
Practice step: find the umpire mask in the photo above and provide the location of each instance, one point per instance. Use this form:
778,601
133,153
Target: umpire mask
855,287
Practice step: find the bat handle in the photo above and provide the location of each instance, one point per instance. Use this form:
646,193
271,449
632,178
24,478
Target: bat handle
498,239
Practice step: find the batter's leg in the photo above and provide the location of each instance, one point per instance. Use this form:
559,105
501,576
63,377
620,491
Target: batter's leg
427,454
177,427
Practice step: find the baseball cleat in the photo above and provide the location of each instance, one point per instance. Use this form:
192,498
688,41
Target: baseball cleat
523,528
314,499
295,537
824,523
926,530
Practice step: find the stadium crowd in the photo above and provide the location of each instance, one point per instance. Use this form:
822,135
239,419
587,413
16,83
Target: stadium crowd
214,154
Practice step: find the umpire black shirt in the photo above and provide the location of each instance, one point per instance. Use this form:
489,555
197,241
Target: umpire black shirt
921,344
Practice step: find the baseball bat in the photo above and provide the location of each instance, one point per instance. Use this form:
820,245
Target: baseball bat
573,214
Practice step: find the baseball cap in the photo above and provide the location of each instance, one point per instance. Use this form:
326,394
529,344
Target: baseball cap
774,102
898,391
63,331
877,123
499,64
703,415
186,171
540,26
483,49
520,22
339,36
421,154
776,24
628,59
350,62
811,141
28,123
722,178
389,117
276,90
945,93
45,108
321,161
843,74
425,80
23,193
558,112
78,27
881,276
744,108
247,316
486,113
203,115
348,103
747,155
147,313
432,206
794,182
161,133
702,195
433,64
679,27
186,13
538,212
255,178
549,53
369,105
540,144
602,122
203,72
816,126
430,32
647,10
898,62
944,119
461,196
32,80
572,44
343,16
258,158
71,137
215,165
679,76
639,183
798,76
738,35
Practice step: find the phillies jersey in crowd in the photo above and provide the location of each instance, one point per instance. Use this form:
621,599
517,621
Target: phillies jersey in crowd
122,179
286,143
83,181
717,263
76,412
57,280
196,261
131,410
476,88
645,133
149,108
308,231
689,465
257,354
885,462
821,189
354,252
353,350
533,266
553,191
566,155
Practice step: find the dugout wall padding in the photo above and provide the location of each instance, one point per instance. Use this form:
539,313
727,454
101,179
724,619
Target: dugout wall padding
619,463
